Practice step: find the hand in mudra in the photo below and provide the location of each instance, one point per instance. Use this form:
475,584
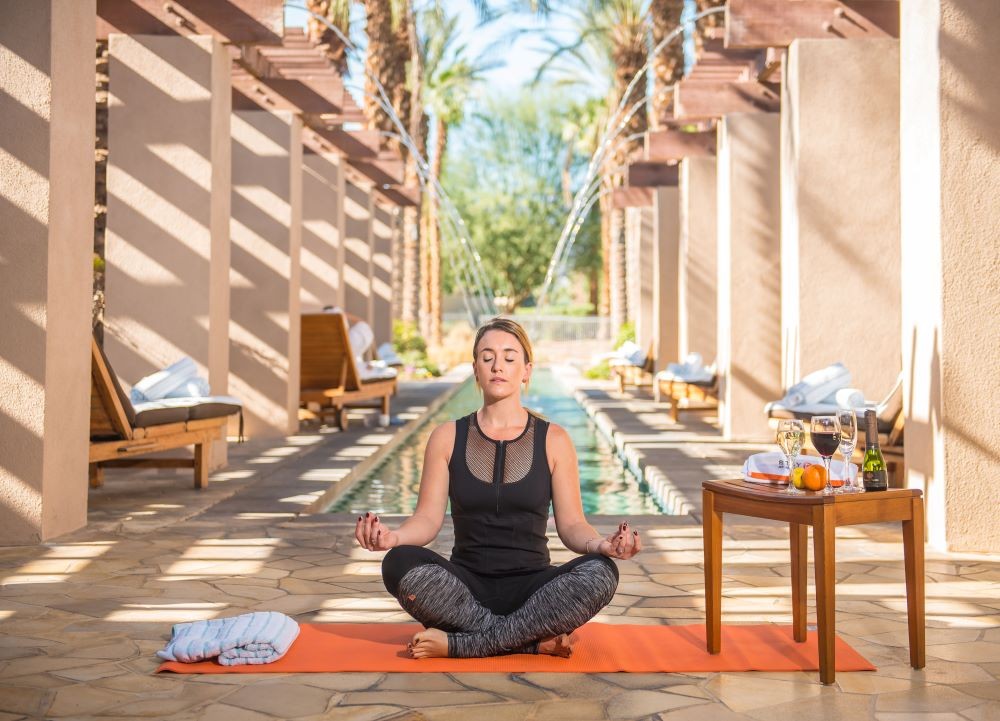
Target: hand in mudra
371,534
623,543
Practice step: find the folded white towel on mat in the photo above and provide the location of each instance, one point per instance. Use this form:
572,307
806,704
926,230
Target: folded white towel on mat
692,370
250,638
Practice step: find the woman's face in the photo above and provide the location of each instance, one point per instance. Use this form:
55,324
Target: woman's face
500,366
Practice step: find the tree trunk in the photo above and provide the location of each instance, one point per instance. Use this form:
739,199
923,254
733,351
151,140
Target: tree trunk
324,37
668,65
434,239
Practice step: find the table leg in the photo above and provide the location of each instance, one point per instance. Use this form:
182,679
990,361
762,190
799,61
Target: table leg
824,534
797,537
913,555
712,535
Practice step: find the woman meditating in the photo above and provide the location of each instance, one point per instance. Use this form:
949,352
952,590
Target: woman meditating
501,467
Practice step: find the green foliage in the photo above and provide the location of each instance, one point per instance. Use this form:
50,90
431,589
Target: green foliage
505,175
602,371
625,333
406,338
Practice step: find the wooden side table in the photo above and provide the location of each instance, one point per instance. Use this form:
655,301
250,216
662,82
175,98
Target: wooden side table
824,514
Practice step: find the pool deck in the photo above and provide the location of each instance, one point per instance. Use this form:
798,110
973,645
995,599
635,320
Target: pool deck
81,617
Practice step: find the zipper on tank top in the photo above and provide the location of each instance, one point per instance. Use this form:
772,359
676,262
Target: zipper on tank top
498,465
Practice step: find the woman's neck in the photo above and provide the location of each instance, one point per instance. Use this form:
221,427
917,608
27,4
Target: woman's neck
503,414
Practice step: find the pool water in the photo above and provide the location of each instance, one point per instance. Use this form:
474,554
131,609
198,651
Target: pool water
606,486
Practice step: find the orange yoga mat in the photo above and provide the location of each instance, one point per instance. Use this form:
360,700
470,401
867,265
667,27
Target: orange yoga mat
600,648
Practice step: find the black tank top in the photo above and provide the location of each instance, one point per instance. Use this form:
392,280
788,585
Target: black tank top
500,494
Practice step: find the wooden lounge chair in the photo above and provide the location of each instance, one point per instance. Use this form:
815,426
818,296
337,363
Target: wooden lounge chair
119,432
329,376
631,374
890,427
683,395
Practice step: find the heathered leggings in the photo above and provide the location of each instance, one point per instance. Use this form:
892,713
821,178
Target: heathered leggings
486,616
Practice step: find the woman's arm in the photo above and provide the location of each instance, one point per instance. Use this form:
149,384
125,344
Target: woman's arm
422,527
571,524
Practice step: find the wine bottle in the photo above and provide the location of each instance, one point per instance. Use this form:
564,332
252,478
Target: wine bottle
873,472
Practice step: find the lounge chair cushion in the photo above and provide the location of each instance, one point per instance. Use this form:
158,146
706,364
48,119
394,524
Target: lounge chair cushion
376,371
816,386
178,410
805,412
388,355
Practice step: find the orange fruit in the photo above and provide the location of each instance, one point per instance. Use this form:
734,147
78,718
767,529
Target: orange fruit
814,478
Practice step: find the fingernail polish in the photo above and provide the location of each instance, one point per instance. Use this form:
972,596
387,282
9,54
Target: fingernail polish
635,533
359,518
367,515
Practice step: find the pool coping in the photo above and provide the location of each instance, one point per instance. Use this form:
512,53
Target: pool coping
336,491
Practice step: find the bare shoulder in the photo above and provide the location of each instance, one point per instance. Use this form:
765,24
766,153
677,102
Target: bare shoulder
558,443
441,440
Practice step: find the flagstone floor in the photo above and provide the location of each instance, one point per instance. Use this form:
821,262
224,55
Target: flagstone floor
81,617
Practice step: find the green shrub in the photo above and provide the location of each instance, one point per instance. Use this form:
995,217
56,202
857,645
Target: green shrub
406,337
602,371
626,332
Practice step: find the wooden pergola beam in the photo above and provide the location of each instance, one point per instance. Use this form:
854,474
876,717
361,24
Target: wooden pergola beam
384,171
703,99
401,195
674,144
645,174
232,21
314,95
776,23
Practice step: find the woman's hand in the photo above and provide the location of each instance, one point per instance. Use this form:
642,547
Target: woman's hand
371,534
622,544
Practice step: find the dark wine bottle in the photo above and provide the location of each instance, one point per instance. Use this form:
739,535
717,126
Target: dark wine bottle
873,473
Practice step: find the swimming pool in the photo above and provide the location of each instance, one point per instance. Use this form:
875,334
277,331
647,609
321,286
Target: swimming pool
606,486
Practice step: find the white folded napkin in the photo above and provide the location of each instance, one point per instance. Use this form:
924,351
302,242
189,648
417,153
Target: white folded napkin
772,467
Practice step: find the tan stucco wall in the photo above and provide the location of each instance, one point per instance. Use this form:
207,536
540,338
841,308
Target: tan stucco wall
748,264
322,231
640,245
698,248
840,211
167,243
358,251
266,244
383,226
46,242
950,169
666,230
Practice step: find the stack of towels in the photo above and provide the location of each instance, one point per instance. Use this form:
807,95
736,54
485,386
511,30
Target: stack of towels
251,638
822,391
627,354
692,370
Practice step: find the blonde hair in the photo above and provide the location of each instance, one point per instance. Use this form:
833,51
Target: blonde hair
507,326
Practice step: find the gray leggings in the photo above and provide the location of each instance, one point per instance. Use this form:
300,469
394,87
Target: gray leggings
486,616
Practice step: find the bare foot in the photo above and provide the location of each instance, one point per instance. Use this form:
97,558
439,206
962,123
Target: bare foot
561,645
429,643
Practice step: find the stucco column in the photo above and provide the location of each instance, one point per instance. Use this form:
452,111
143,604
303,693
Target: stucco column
749,299
266,269
46,247
950,181
840,210
641,243
697,327
358,211
383,228
322,230
167,241
666,231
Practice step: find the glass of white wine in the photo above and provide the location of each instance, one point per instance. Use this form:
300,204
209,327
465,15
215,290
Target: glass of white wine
848,441
791,436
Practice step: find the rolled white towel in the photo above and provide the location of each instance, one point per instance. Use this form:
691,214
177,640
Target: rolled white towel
250,638
816,386
162,383
849,398
361,336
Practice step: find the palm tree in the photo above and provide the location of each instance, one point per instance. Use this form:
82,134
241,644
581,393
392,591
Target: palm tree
450,81
338,12
668,65
614,32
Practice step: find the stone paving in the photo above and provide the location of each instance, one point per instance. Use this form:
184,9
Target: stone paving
81,617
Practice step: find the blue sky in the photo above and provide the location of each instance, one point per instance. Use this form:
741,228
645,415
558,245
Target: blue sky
521,55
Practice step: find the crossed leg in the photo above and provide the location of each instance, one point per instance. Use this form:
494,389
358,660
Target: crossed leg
459,625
